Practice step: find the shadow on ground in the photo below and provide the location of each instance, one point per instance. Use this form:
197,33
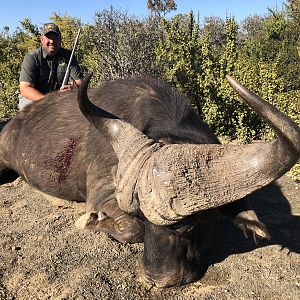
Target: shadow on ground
274,210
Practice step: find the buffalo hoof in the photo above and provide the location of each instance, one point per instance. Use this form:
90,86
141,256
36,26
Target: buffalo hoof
86,220
125,229
248,221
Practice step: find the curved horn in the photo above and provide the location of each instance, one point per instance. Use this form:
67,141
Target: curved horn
179,180
121,135
287,145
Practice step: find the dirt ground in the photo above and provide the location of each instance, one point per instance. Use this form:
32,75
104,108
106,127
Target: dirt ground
44,256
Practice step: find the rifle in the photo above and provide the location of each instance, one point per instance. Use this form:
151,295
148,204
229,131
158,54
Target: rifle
67,74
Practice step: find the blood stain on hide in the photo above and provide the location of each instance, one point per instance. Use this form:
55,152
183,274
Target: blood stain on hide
63,161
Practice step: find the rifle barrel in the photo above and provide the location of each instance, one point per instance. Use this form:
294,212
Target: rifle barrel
67,74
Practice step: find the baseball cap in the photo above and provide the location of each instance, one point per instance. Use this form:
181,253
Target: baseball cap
50,27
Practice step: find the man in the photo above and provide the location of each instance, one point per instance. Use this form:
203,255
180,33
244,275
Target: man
43,69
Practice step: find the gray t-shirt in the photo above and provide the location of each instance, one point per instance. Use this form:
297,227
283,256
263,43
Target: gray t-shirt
46,73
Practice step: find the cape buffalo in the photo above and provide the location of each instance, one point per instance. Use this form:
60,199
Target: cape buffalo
147,166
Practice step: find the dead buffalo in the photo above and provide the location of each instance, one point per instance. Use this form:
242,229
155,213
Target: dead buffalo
147,166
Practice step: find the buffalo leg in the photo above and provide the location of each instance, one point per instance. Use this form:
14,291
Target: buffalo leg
246,219
102,210
111,219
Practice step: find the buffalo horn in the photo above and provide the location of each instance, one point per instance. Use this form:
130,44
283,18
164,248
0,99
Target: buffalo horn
177,180
180,180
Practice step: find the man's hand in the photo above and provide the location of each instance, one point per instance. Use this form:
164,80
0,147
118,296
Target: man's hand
67,87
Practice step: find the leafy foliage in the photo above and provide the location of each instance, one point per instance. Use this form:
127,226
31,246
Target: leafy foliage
161,6
178,55
123,45
12,50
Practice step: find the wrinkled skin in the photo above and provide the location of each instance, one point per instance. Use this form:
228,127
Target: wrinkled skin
171,253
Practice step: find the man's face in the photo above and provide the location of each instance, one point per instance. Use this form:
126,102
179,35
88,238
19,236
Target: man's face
51,42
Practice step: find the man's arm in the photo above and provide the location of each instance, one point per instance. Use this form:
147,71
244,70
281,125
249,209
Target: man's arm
28,91
27,79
